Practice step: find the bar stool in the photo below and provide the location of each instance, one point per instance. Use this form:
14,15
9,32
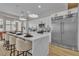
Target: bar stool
23,46
12,43
6,42
1,35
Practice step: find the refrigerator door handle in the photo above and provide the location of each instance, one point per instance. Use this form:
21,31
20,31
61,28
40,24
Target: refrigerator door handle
62,28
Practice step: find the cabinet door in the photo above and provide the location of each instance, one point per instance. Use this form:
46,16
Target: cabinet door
69,30
56,32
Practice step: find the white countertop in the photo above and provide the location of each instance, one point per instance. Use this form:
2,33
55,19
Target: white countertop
35,36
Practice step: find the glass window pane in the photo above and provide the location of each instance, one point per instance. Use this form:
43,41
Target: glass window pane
7,25
13,25
1,24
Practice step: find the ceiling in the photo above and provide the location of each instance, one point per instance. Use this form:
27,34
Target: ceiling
45,10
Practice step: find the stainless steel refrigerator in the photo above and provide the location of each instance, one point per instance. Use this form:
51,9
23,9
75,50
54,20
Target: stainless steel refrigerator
64,32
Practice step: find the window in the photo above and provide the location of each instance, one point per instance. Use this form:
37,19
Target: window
8,24
13,25
1,24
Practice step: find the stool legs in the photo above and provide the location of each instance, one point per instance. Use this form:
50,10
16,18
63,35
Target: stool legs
17,53
7,45
12,50
24,53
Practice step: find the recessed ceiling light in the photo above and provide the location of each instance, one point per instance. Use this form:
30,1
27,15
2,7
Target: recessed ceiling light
22,19
33,15
16,21
28,12
39,6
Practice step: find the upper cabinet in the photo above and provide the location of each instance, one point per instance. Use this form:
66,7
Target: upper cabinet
72,5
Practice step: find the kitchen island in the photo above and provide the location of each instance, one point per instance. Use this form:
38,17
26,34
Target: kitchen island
40,42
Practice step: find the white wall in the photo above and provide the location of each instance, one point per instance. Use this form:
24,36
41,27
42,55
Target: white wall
78,26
